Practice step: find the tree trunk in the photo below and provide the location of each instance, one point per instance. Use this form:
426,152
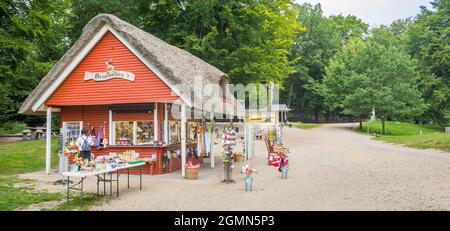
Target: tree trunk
383,128
360,123
290,93
316,115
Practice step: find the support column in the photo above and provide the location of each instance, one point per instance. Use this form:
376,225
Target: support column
48,141
166,124
110,136
183,139
211,149
155,123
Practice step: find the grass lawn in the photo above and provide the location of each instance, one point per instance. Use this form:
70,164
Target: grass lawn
29,156
25,156
305,125
409,134
17,197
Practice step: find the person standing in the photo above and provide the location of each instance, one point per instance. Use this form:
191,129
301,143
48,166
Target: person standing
84,144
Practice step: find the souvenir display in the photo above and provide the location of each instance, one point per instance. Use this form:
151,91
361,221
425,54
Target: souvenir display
105,162
229,142
71,149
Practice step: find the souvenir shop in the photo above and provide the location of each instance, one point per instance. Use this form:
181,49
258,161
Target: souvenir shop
122,86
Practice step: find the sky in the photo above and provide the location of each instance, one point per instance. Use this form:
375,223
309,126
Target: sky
374,12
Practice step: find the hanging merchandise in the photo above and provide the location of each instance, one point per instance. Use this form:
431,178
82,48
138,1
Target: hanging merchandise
229,142
207,143
166,159
98,138
104,141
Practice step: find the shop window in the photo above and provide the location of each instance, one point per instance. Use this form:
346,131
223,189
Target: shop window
124,132
73,130
192,131
144,132
174,132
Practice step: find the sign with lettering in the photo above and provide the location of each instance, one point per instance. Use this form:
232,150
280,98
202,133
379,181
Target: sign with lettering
110,74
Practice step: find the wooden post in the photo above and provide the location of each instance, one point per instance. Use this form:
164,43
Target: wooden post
48,143
110,127
166,124
183,139
155,123
211,148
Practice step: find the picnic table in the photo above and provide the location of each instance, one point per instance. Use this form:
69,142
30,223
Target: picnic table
102,176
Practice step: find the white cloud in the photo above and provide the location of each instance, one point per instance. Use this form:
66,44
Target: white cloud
374,12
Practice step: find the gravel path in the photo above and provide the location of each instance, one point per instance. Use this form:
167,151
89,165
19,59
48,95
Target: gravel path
331,168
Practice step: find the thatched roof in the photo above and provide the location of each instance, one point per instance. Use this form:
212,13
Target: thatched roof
177,66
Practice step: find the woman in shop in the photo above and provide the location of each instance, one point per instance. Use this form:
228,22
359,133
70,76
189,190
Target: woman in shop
84,144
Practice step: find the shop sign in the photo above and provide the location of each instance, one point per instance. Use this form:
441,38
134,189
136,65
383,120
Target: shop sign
110,74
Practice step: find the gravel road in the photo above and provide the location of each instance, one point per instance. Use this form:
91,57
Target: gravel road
331,168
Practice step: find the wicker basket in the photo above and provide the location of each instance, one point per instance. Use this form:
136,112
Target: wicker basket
237,157
192,173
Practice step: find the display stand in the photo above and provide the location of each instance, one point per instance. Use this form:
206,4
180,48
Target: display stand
229,142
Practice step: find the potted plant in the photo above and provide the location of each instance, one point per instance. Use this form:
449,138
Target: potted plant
192,170
248,171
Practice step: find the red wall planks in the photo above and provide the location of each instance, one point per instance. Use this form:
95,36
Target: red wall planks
147,87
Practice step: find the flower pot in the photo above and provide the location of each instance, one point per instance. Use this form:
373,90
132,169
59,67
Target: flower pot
284,172
192,173
248,183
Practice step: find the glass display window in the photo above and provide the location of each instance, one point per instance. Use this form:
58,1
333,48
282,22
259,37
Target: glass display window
174,132
192,131
124,132
144,132
73,130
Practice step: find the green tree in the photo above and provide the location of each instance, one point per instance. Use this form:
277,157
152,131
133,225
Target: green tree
349,27
32,38
84,10
315,47
249,40
428,41
374,73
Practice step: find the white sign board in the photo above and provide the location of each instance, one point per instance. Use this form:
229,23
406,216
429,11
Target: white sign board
103,76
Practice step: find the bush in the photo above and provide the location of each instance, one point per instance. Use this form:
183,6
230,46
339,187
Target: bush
12,127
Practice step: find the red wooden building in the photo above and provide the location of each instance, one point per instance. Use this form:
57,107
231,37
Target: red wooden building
124,80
